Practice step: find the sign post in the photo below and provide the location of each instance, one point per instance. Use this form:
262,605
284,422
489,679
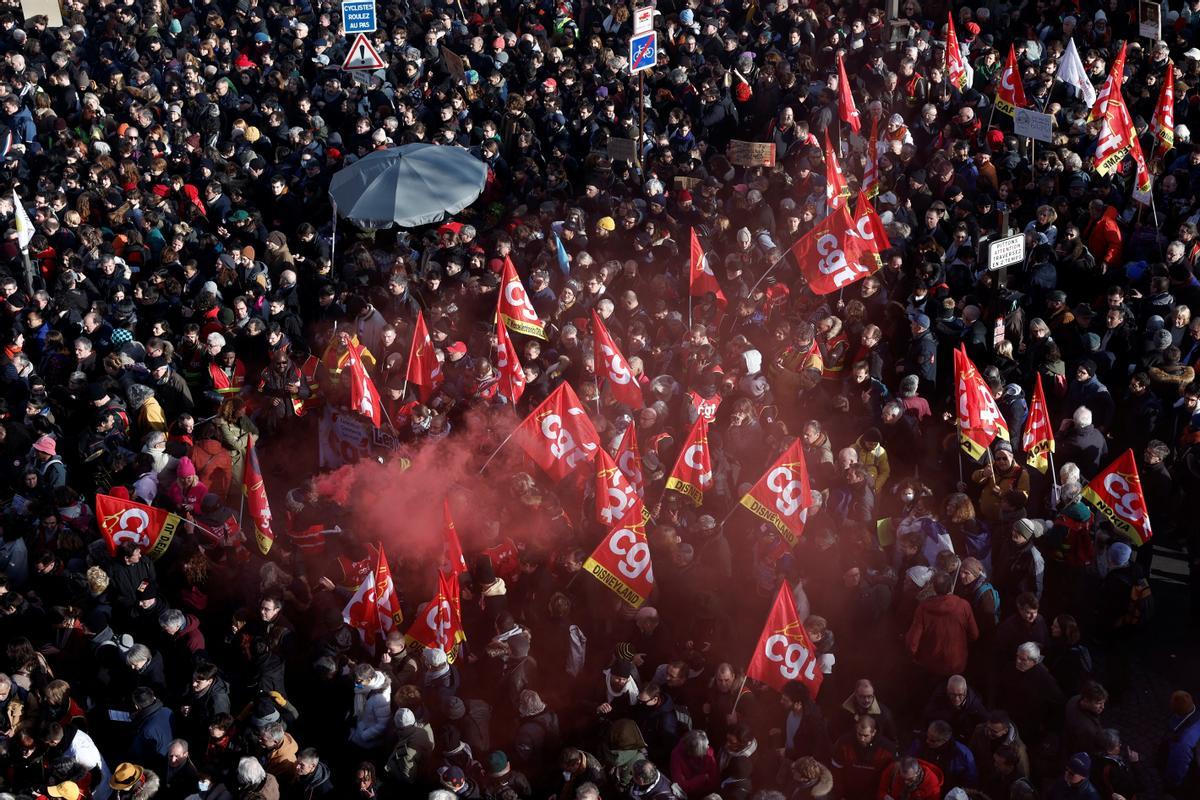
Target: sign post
643,55
358,16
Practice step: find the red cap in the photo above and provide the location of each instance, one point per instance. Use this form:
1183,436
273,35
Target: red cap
973,28
684,196
161,190
457,348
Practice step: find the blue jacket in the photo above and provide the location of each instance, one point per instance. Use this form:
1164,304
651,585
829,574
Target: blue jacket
1181,745
154,733
954,759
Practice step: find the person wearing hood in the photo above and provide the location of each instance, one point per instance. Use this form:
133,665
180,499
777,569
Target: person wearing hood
372,707
942,630
472,719
624,748
313,778
409,764
1025,569
537,735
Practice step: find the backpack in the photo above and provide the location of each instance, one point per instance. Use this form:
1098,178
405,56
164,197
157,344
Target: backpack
1141,605
983,589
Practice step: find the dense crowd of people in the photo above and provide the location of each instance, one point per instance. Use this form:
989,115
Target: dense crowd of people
179,300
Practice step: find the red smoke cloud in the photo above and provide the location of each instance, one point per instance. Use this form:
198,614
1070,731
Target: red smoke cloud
402,506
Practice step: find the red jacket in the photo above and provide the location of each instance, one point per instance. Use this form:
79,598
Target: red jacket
696,776
941,630
930,787
1104,238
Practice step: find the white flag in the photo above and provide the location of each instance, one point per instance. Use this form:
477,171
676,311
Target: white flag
24,224
1070,71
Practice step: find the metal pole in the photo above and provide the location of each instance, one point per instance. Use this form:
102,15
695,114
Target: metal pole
641,113
497,450
1054,488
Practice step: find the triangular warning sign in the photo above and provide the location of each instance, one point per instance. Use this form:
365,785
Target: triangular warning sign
363,55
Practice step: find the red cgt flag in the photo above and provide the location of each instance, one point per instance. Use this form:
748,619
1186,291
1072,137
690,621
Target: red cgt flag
439,626
362,613
836,190
979,419
364,397
629,459
870,179
835,254
784,652
387,599
1114,82
692,473
956,67
512,374
514,308
612,367
617,502
1117,494
701,279
256,501
152,529
1010,94
456,563
622,563
1162,127
782,495
868,236
1038,439
424,369
557,434
847,111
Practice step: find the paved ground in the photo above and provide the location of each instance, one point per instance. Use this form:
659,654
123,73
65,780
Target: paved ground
1167,659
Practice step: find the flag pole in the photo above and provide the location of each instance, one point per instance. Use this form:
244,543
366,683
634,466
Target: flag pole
497,450
1054,487
737,699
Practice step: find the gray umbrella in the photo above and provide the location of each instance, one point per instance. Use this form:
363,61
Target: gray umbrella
416,184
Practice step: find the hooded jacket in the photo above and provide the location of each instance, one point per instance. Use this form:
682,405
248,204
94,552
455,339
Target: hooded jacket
940,634
624,748
372,711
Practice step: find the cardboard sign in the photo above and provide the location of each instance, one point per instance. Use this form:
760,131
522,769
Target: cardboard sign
1150,20
623,149
50,9
751,154
643,19
684,182
1033,124
454,65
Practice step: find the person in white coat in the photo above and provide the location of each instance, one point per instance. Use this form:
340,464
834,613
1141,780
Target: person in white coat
79,746
372,707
